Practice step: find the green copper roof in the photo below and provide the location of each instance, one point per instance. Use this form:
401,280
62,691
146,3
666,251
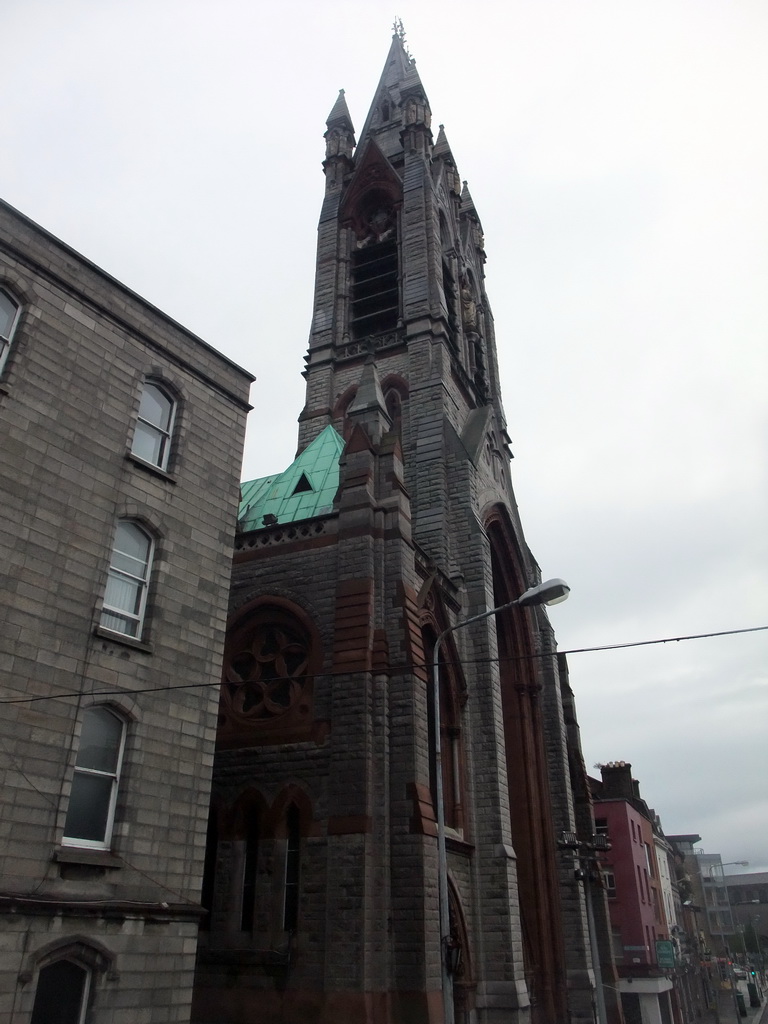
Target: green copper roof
306,489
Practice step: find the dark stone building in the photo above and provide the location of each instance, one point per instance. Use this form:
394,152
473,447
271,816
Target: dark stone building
121,445
396,521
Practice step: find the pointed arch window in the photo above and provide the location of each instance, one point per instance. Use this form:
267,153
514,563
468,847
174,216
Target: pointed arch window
91,810
450,735
61,997
375,305
66,971
292,869
10,311
250,867
125,599
394,405
152,437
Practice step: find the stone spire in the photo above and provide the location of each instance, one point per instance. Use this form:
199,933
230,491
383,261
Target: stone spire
442,153
339,116
399,100
339,143
469,212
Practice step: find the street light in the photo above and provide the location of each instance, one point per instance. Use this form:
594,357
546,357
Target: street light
551,592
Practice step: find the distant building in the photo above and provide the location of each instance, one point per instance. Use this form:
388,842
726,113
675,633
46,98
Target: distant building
635,886
396,521
720,924
748,898
121,440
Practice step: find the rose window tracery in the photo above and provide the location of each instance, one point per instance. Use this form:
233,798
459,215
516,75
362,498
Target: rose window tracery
266,676
267,683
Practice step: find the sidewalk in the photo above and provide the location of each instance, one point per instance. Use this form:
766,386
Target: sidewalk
726,1012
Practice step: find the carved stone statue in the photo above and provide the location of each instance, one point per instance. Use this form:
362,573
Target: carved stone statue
468,306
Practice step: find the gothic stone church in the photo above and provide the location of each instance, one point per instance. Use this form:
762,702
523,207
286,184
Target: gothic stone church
396,520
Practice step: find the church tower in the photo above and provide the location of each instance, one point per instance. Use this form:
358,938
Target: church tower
396,521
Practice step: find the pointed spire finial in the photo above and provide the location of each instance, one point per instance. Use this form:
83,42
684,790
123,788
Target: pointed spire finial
398,32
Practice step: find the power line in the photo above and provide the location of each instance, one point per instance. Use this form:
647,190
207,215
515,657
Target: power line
392,669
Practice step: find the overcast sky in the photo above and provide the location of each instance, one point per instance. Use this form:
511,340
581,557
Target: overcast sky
617,155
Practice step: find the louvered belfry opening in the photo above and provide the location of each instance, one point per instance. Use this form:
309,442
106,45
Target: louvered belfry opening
375,297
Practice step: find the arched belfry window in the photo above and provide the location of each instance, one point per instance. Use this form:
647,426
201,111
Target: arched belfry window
375,294
269,660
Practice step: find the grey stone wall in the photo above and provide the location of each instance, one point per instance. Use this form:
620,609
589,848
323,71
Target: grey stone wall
69,397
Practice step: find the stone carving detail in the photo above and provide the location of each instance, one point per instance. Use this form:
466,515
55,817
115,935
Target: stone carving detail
468,306
376,343
338,142
378,226
417,111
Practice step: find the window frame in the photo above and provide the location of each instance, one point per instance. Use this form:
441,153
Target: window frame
80,770
165,433
114,572
6,340
84,995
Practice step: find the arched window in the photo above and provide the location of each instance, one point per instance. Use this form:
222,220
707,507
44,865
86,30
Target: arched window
450,732
375,305
450,293
152,437
91,810
62,994
292,867
394,405
9,318
67,970
250,867
125,598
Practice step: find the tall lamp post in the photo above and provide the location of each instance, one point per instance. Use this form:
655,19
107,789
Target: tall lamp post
551,592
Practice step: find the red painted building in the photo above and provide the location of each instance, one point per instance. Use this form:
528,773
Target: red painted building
631,880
